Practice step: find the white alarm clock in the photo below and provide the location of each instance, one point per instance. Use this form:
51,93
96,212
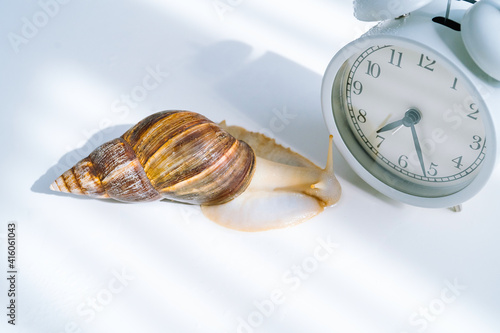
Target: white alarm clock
413,103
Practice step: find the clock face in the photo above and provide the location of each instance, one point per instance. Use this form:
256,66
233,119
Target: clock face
410,119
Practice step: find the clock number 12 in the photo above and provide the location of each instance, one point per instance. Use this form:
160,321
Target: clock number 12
427,64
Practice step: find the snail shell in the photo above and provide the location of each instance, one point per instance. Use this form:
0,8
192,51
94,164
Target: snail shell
176,155
243,180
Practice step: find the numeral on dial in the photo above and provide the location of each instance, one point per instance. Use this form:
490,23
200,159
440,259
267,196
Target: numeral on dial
476,145
382,140
358,87
432,170
458,162
373,69
362,116
473,115
403,161
426,63
396,60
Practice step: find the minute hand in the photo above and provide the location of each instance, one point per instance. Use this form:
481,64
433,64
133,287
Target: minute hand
417,148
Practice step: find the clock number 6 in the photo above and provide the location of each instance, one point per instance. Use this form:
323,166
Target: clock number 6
403,161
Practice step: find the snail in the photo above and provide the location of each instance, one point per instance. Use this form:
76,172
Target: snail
242,180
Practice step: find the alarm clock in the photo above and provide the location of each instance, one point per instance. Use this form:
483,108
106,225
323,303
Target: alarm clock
413,104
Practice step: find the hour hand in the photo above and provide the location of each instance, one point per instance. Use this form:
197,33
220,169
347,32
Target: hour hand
390,126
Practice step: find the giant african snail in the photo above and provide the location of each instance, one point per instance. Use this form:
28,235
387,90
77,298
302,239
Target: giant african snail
242,180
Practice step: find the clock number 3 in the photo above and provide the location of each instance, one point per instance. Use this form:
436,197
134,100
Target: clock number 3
476,145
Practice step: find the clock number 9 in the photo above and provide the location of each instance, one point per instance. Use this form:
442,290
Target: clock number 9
358,87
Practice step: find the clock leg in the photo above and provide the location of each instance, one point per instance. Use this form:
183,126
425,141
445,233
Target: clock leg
457,208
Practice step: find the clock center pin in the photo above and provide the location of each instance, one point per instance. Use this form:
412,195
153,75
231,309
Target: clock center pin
412,117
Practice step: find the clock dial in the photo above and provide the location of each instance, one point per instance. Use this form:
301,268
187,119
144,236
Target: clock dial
412,114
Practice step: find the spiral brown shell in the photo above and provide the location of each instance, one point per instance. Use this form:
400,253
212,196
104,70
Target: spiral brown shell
178,155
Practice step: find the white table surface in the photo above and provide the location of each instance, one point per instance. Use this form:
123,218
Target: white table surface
88,70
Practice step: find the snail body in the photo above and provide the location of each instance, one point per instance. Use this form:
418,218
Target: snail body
238,177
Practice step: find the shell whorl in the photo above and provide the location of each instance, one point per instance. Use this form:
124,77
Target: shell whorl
178,155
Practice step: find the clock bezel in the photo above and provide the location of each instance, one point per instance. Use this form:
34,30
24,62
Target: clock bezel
351,150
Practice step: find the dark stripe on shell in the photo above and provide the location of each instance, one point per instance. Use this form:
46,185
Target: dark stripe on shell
189,153
121,173
224,180
149,135
93,186
77,180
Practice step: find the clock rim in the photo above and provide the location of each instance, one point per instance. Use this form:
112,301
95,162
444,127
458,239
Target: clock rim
328,84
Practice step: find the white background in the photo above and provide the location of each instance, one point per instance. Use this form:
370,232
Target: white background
74,75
